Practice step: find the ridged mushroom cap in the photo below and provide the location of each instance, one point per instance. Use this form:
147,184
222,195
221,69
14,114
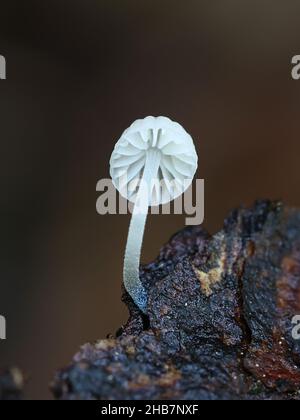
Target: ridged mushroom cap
178,159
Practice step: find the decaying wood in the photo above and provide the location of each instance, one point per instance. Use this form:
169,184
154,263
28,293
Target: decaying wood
219,322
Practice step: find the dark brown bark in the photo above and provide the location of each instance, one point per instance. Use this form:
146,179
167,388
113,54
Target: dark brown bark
219,323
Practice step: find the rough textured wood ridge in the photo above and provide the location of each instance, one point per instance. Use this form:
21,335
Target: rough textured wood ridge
219,319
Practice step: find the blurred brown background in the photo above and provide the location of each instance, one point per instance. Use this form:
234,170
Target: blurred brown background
79,72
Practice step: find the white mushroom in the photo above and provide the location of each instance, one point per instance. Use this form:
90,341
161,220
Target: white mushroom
153,163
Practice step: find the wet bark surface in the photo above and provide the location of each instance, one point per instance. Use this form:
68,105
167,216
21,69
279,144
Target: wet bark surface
219,319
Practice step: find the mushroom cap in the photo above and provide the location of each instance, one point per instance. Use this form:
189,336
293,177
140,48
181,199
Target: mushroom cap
178,159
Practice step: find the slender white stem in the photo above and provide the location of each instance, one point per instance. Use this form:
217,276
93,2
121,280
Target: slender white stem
131,274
